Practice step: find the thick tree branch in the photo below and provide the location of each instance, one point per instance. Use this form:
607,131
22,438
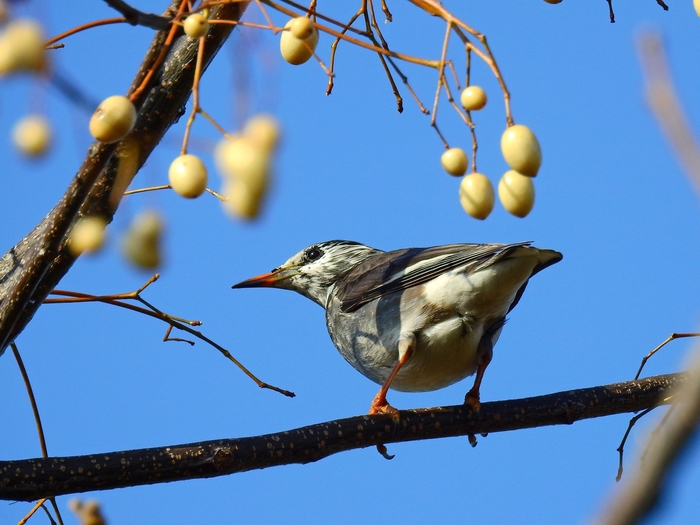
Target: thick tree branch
31,479
35,265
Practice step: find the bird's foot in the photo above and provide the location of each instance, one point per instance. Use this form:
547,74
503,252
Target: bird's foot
472,399
381,448
381,406
385,408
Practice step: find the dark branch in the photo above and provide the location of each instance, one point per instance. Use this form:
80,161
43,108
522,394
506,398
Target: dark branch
139,18
611,11
35,265
31,479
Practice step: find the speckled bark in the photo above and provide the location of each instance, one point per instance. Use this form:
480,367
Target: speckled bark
35,265
28,480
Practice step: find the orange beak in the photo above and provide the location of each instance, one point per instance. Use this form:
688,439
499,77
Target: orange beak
267,280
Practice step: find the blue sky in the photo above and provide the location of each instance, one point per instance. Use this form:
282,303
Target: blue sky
610,196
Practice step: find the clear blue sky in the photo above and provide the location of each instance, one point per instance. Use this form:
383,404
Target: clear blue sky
610,196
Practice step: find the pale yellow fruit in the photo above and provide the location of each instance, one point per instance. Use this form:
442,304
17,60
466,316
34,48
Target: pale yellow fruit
188,176
476,195
473,98
295,50
141,243
87,512
696,5
22,47
88,235
113,119
242,203
521,150
32,135
222,159
302,27
264,130
196,25
241,159
454,161
517,193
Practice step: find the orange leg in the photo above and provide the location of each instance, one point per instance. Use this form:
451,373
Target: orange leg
379,404
472,397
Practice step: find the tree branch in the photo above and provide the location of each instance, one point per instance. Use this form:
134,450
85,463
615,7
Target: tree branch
136,17
31,479
35,265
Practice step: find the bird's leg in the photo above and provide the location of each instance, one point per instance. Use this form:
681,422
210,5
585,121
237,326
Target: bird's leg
380,405
485,352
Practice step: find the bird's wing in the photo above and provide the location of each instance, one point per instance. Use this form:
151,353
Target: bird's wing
390,272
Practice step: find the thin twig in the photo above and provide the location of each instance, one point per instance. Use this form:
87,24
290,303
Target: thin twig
195,95
78,29
37,506
32,399
152,311
621,447
40,432
135,17
670,338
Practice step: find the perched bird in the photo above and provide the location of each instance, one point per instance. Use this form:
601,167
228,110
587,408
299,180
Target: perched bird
416,319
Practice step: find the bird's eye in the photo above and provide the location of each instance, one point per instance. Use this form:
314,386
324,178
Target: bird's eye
313,253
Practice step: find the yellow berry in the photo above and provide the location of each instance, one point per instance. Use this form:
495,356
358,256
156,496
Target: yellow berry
295,50
241,159
476,195
521,150
87,235
454,161
696,5
22,47
264,130
242,203
302,28
32,135
141,243
113,119
517,193
188,176
473,98
196,25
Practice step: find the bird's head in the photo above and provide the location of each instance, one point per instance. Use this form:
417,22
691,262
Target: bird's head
312,271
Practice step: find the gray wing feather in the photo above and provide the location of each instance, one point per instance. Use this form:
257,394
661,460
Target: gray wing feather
384,273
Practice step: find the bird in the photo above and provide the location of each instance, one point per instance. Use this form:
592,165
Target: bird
414,319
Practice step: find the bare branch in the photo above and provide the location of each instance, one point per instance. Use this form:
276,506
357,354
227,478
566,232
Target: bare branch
31,479
33,267
666,106
644,487
136,17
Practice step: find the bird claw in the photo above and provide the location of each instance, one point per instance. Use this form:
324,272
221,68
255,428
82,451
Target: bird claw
472,440
382,409
472,399
381,406
381,448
